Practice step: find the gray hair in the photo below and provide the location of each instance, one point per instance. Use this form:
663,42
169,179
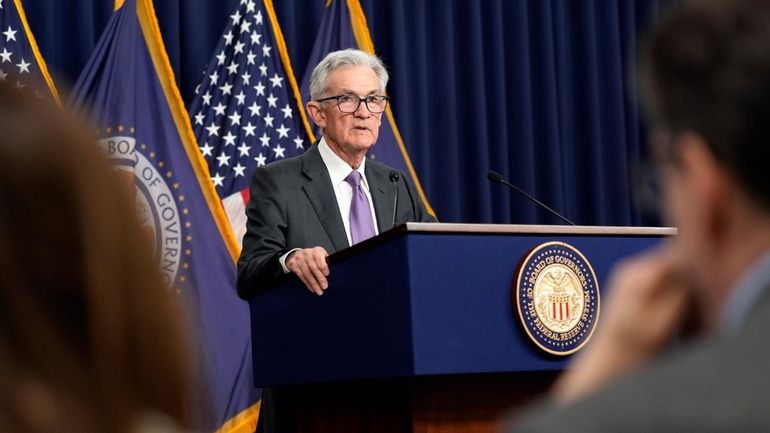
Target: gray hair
319,80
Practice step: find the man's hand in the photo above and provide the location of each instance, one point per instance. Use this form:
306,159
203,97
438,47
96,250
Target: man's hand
646,307
310,266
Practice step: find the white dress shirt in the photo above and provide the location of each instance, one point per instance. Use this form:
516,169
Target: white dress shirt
339,170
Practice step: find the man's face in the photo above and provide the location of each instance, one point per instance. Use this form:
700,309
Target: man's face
352,132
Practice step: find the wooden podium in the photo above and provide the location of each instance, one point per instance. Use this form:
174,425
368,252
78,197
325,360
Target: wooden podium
417,331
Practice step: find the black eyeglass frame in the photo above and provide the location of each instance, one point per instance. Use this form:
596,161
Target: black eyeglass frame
360,100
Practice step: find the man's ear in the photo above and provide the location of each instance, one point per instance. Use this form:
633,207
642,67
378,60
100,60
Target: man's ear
708,180
316,113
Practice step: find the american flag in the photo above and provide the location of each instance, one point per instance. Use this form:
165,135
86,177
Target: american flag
21,64
245,111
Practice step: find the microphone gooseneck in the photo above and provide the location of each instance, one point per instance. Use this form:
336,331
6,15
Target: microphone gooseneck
498,178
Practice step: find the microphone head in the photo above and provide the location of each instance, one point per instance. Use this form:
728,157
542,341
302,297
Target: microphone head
494,176
394,176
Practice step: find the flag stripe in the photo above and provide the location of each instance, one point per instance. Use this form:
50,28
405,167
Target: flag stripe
38,57
149,23
365,43
287,66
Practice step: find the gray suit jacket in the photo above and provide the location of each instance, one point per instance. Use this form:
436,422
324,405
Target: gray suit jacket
292,205
717,385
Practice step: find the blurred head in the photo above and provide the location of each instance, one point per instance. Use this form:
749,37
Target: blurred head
706,87
348,74
89,336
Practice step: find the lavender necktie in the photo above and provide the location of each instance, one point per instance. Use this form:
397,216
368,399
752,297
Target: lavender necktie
361,225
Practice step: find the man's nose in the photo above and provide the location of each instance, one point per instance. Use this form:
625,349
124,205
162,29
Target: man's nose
362,111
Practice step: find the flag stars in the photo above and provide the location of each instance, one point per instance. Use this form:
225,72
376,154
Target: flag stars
181,198
161,164
250,58
256,38
187,225
239,47
260,88
219,109
23,66
249,129
187,238
206,98
265,140
250,5
6,55
259,17
226,88
283,131
271,101
300,143
244,150
235,118
236,17
266,50
218,179
169,174
229,139
279,151
240,98
232,68
3,75
221,57
228,38
199,118
10,34
176,186
255,109
260,159
263,69
287,114
223,159
206,150
213,129
246,78
213,78
245,26
239,170
269,120
276,81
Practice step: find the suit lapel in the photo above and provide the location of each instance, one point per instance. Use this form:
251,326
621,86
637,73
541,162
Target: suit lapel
320,192
383,194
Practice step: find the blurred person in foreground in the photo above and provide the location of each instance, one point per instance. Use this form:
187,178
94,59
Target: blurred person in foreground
706,85
90,338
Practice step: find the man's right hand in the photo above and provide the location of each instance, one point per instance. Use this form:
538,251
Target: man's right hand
310,266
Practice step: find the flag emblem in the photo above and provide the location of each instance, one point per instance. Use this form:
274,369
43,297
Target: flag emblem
557,298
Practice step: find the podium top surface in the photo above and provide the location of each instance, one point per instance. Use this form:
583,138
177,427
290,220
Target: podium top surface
535,229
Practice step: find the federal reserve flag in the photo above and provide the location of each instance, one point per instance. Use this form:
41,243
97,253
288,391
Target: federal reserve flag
344,26
21,63
248,111
129,89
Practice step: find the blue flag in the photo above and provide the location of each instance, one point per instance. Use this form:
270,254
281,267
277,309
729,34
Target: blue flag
129,89
248,111
344,26
21,63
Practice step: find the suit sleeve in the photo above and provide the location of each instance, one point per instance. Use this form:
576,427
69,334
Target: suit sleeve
265,238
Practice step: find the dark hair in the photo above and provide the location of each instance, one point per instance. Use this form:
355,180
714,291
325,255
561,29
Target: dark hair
90,338
706,69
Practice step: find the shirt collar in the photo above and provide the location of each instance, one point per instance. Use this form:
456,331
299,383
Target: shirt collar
337,167
744,295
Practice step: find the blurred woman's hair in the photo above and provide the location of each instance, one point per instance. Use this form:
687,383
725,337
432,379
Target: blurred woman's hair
90,338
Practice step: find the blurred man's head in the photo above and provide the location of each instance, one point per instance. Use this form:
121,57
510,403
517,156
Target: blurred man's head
706,85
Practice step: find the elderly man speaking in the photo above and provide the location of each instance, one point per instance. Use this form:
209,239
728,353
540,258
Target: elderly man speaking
304,208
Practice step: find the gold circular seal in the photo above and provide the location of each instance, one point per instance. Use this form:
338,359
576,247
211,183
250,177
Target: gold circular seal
557,298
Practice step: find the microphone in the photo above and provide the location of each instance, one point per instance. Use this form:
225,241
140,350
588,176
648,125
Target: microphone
394,177
498,178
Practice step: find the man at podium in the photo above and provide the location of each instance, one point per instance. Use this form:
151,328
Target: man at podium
302,209
706,77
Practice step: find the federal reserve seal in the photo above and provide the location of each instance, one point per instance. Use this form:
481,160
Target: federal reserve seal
159,203
557,298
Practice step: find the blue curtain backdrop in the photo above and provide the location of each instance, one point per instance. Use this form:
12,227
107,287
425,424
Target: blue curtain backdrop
539,90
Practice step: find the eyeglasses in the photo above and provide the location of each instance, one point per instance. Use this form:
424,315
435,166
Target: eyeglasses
348,103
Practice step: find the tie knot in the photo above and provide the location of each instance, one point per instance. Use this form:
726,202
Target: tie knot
354,179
